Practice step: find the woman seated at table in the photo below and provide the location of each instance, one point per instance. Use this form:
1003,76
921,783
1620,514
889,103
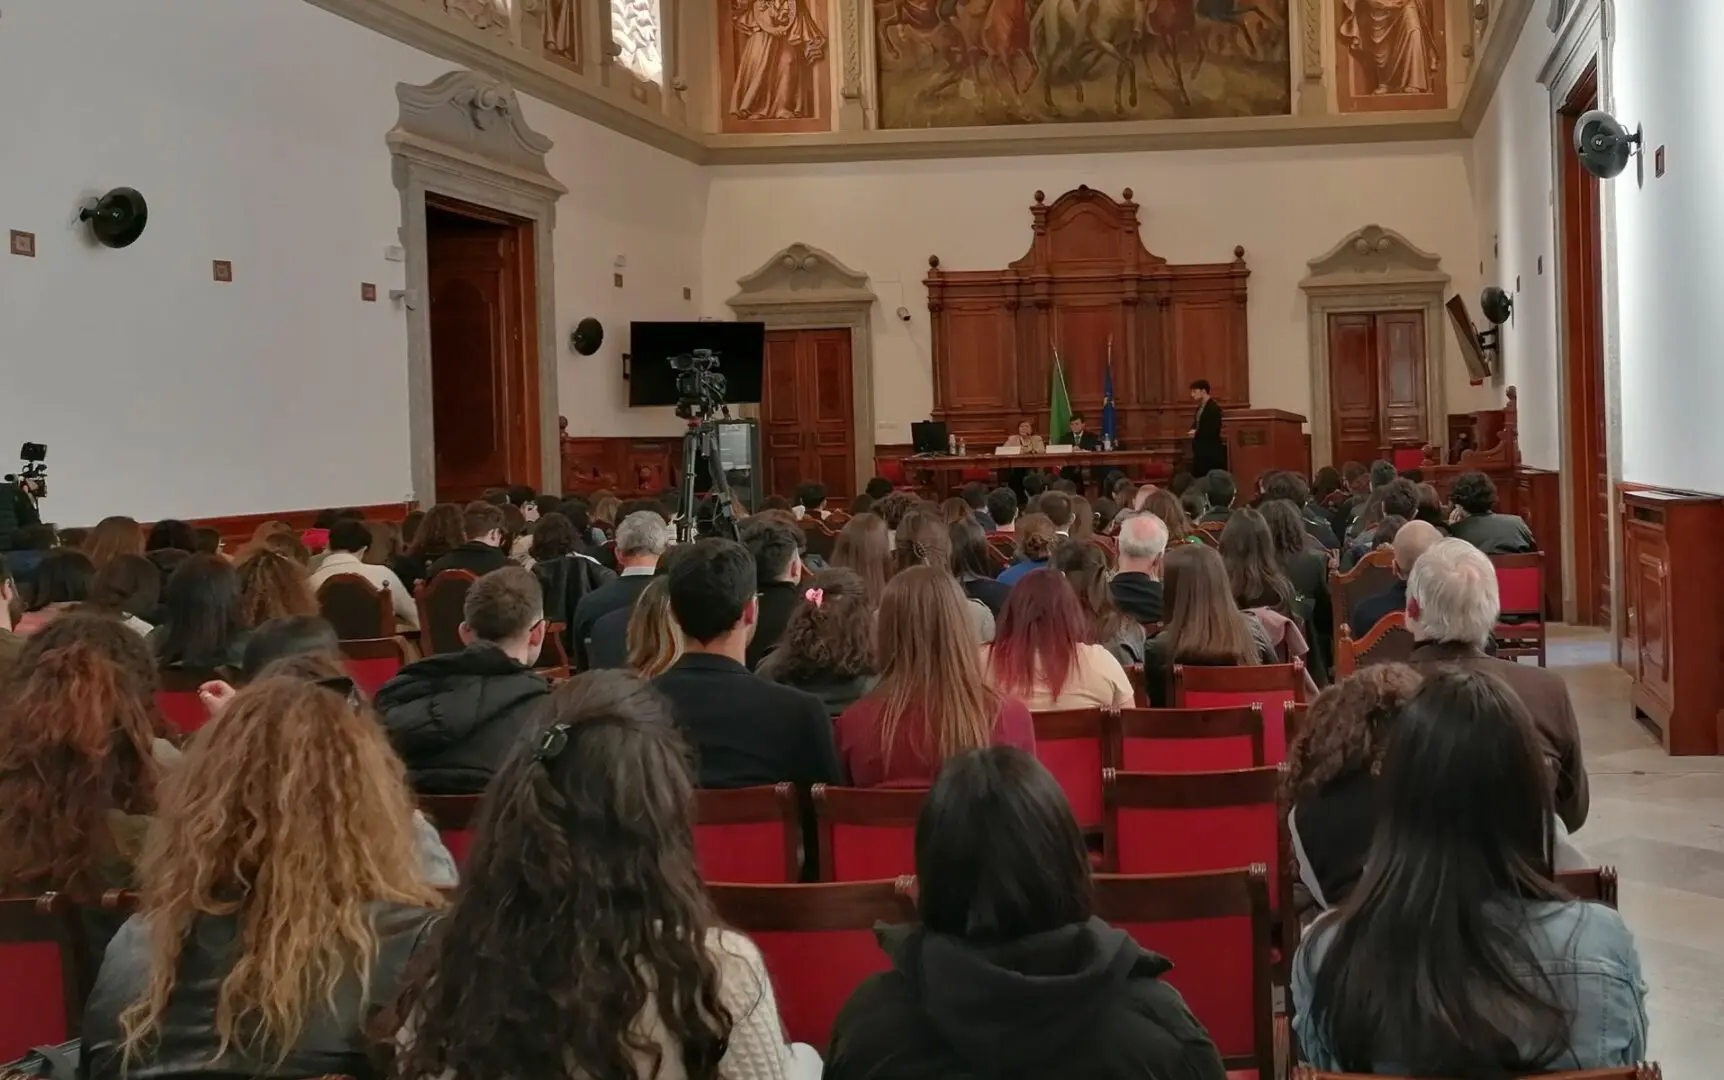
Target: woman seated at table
1027,438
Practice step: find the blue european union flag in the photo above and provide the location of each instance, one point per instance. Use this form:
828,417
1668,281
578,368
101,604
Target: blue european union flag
1109,422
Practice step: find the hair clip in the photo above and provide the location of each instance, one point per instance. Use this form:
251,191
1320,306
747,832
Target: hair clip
817,597
552,743
344,686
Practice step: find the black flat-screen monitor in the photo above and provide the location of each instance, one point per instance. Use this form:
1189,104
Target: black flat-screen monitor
740,347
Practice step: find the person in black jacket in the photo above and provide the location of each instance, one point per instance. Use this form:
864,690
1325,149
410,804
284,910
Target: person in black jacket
483,550
642,538
1137,586
454,717
1009,974
778,569
566,572
745,731
1480,525
1208,445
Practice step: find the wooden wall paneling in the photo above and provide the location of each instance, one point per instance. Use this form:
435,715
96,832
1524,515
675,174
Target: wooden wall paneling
620,464
1538,496
1671,586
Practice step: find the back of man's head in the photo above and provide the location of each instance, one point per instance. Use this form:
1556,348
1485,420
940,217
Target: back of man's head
1474,493
810,495
976,495
1401,499
1382,472
504,605
1057,505
774,545
1034,484
1411,541
1452,594
349,535
1142,537
1221,487
643,534
1003,505
481,518
711,584
878,488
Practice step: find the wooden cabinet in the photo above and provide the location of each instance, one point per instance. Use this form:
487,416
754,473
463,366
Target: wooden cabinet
1675,645
806,421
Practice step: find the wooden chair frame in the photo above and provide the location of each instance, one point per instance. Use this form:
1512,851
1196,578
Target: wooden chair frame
828,905
1227,722
380,598
1340,603
1522,639
881,807
51,918
553,660
1596,884
1645,1071
427,635
1348,652
1180,897
757,806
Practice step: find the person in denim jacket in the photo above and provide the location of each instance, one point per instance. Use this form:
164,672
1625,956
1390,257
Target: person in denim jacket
1457,954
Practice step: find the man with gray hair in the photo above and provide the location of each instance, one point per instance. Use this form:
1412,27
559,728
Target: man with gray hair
642,538
1452,606
1137,586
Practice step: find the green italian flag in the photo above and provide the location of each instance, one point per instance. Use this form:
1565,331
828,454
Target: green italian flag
1059,405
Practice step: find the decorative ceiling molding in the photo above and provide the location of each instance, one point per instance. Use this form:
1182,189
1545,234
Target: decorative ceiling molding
801,274
1377,256
477,118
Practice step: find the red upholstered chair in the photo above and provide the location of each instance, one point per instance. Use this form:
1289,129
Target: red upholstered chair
44,976
1520,589
1187,823
1272,686
1215,927
440,602
867,834
818,942
1073,744
750,836
1189,740
1646,1071
356,608
893,470
178,697
1597,884
1005,545
1388,642
1407,457
455,817
371,662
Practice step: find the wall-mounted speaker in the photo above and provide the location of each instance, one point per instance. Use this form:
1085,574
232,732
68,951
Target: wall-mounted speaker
117,218
587,336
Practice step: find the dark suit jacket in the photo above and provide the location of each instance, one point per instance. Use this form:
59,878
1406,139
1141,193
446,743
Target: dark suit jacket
778,601
473,557
1137,595
1369,611
746,731
1546,698
1495,534
1318,525
1089,440
1216,513
1208,446
619,594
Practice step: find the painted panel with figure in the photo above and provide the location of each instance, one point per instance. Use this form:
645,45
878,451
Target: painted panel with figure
774,75
1392,55
957,63
560,33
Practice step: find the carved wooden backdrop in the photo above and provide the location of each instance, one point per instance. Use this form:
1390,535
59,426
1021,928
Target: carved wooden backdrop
1087,280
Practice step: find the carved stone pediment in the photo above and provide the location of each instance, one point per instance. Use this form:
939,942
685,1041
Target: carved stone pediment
472,117
1374,255
802,275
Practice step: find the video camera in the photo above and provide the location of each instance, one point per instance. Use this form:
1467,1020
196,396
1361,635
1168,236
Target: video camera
699,386
32,478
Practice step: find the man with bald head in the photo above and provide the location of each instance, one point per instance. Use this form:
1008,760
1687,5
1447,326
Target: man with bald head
1412,540
1137,586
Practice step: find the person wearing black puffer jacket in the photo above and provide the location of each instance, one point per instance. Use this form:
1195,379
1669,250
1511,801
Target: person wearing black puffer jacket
455,717
1009,974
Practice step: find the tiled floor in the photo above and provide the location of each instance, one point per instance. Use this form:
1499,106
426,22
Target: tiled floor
1660,821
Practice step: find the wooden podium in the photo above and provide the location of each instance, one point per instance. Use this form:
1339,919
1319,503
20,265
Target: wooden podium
1260,441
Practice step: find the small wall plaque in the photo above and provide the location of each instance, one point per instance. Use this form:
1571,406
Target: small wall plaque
223,270
368,292
24,243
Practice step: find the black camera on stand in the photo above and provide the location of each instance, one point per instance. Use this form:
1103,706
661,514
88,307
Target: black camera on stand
32,477
700,402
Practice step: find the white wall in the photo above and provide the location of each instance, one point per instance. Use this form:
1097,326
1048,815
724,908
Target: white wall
1514,191
255,130
1284,205
1669,234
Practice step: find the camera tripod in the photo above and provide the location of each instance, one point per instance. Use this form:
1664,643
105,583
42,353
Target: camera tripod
700,439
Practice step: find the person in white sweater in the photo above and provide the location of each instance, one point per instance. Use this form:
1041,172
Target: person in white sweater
583,943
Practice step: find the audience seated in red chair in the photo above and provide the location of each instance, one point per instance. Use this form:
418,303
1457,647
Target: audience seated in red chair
865,546
567,571
1477,522
1086,570
280,897
482,551
974,563
202,626
348,542
594,806
828,647
778,569
933,699
1203,627
130,589
111,536
1002,510
745,731
1136,586
642,539
454,717
924,538
1035,534
1008,973
1452,607
273,586
1043,653
1457,915
439,533
63,578
1411,541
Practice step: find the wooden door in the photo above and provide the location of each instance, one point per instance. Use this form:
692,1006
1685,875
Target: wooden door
807,412
1401,377
484,384
1355,434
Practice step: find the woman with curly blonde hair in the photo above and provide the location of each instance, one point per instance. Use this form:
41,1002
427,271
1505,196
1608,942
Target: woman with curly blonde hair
655,640
273,586
1332,770
281,897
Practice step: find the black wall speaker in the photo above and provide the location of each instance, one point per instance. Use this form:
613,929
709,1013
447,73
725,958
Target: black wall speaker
1497,305
117,218
587,336
1603,144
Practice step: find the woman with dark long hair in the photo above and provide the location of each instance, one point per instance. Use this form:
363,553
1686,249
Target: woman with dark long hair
1306,566
63,578
1043,655
203,625
441,532
864,545
1248,552
1086,570
582,943
1201,625
1009,972
828,645
128,588
972,563
1165,505
1457,954
933,698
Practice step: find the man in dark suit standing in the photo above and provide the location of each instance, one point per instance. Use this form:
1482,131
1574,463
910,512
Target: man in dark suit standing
1208,448
1079,438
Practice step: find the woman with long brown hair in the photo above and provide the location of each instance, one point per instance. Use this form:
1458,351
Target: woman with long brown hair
128,588
933,699
924,539
273,586
441,532
281,895
827,648
63,579
1203,627
1248,552
583,943
113,536
654,639
1043,654
78,768
1086,570
1165,505
863,546
1035,536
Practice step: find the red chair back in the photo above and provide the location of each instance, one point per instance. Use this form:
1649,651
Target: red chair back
867,834
1597,884
1215,927
454,816
356,607
1388,642
45,981
1073,745
178,697
1645,1071
818,942
1274,687
371,662
440,602
1520,584
748,835
1407,457
1190,740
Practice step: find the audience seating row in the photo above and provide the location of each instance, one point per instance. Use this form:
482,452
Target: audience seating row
1520,627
